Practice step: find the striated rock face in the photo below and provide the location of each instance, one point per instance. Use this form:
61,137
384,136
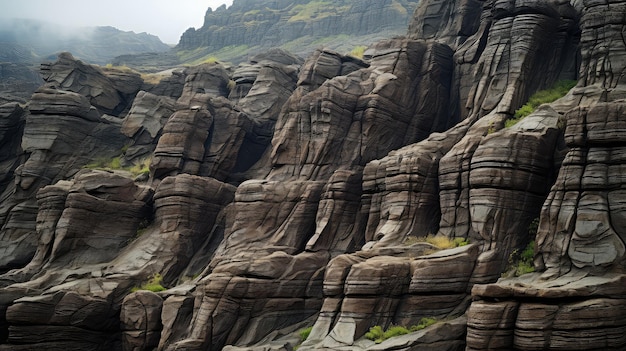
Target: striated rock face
144,123
110,94
300,26
273,253
210,135
11,129
62,133
577,299
337,194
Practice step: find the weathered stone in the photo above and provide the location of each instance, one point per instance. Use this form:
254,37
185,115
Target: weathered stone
269,24
140,319
11,128
144,123
110,93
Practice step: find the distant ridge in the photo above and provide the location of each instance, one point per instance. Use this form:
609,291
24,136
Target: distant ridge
248,27
26,40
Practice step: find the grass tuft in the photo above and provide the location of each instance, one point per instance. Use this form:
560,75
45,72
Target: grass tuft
378,335
521,263
546,96
304,334
439,241
358,51
153,284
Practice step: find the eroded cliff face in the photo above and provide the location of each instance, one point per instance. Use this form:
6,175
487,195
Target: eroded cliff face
301,25
283,194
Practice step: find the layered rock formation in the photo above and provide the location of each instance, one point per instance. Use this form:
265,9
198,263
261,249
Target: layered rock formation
330,193
272,23
577,300
236,33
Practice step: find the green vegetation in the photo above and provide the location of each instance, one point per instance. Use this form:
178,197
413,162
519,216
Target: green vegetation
439,241
315,10
378,335
210,59
252,13
201,55
141,168
195,54
153,284
106,164
150,78
231,85
115,164
358,51
424,323
541,97
304,334
521,263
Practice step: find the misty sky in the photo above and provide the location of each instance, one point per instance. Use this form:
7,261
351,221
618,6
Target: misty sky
167,19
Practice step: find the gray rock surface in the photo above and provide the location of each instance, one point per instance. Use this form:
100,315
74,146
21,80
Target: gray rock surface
332,193
297,25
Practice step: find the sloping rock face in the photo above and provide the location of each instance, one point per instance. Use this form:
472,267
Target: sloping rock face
576,302
160,228
265,22
297,25
64,130
330,193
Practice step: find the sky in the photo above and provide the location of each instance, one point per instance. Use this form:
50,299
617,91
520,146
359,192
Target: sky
167,19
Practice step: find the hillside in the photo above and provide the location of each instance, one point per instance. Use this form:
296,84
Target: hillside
457,188
235,33
41,40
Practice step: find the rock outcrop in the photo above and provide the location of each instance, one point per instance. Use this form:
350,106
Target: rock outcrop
339,194
576,301
63,132
236,33
273,23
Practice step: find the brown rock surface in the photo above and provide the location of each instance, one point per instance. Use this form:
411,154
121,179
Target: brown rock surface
11,129
362,165
144,123
111,92
140,318
63,132
261,276
97,269
580,244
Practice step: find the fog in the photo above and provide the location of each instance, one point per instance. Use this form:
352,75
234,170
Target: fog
166,19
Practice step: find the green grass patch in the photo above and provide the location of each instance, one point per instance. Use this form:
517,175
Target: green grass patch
115,164
153,284
304,334
105,164
358,51
521,263
141,168
439,241
546,96
188,55
378,335
424,323
314,10
201,56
